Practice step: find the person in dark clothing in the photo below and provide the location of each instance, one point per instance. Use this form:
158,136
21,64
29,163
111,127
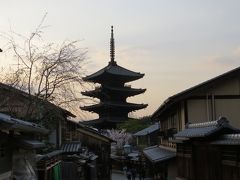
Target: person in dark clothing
141,174
134,173
129,175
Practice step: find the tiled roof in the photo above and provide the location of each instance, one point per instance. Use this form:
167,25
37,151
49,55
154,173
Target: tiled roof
124,90
71,147
126,105
114,69
51,154
19,92
148,130
204,129
93,133
228,139
159,153
30,144
9,123
102,120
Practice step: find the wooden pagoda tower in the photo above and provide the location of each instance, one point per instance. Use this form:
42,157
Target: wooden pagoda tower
112,93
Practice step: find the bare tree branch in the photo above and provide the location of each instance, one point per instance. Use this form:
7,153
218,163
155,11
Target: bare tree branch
46,70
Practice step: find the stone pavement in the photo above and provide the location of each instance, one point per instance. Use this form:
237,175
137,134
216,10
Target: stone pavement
118,175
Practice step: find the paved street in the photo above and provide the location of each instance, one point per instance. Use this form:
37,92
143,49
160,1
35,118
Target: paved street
120,176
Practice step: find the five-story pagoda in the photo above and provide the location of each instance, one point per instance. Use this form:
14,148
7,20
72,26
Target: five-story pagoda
113,107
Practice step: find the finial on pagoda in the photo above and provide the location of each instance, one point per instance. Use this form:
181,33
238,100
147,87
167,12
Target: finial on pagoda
112,47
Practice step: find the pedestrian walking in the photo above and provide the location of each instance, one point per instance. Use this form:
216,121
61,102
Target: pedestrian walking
129,175
125,170
134,173
143,174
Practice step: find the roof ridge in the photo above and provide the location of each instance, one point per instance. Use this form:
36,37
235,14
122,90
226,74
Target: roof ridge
231,136
220,122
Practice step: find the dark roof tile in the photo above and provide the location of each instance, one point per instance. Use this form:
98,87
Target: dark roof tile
228,139
204,129
9,123
148,130
159,153
71,147
114,70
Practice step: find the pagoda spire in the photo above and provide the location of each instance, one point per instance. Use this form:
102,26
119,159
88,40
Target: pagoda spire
112,48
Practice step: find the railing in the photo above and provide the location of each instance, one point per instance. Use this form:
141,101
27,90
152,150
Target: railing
166,142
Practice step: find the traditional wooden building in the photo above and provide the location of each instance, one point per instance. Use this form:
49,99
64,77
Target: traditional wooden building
207,101
112,93
216,97
159,162
49,166
99,145
19,104
69,131
148,136
208,151
78,162
18,141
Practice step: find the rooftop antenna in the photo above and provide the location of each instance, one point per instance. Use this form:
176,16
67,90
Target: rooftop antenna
112,48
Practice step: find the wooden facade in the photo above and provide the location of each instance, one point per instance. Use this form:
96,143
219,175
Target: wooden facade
21,105
207,101
49,167
18,144
159,161
99,145
206,153
148,136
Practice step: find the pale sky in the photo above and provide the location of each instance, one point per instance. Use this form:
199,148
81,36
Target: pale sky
177,44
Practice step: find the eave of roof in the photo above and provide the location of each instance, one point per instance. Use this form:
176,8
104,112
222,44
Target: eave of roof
114,69
71,147
27,96
30,144
228,139
126,90
9,123
148,130
131,106
104,119
186,93
159,153
91,132
206,129
51,154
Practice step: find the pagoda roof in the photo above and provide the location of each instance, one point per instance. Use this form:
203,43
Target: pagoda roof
104,122
125,91
102,105
104,119
113,70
